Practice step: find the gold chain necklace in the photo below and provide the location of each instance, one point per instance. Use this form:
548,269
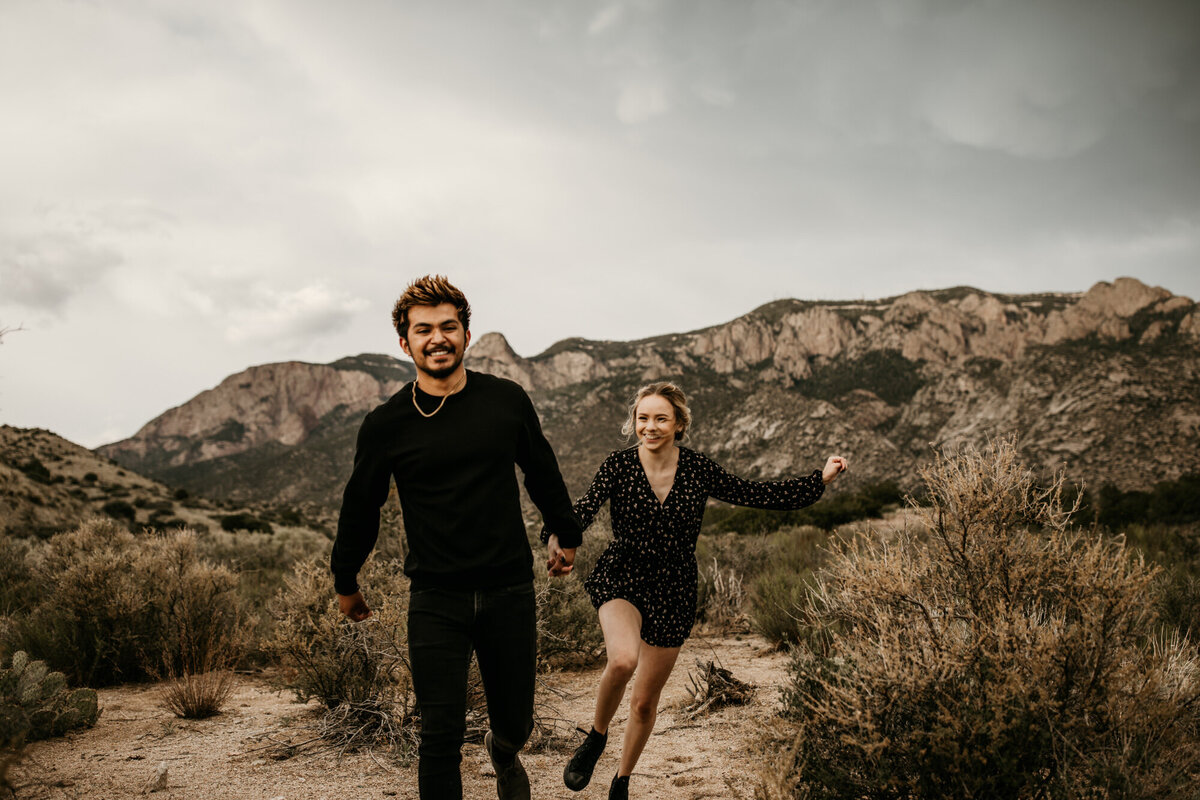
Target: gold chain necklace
439,408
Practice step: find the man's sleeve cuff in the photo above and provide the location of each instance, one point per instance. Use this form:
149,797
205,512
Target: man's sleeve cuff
345,584
565,540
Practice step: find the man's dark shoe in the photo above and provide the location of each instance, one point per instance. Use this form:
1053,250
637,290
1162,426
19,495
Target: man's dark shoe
578,771
511,781
619,789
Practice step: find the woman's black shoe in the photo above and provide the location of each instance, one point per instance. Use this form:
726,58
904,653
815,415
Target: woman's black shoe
578,771
619,789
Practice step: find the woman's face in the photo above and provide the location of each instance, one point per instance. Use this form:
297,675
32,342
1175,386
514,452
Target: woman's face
654,422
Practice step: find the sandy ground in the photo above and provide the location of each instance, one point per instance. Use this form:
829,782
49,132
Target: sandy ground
230,756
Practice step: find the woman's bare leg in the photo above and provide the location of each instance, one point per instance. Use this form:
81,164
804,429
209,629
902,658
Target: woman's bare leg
654,667
622,625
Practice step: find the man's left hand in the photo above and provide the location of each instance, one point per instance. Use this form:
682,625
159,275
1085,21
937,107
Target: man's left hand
559,560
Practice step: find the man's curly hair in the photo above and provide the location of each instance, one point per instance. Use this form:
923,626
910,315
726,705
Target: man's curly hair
431,290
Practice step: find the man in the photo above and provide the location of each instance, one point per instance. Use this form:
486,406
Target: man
450,439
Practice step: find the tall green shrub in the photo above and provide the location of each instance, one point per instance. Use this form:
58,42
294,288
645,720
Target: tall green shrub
978,658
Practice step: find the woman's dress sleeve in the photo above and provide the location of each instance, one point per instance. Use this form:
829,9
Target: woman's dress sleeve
595,497
780,495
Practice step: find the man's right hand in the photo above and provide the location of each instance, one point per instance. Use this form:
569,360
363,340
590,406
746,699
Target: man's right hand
354,606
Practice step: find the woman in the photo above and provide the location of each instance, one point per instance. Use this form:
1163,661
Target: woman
644,584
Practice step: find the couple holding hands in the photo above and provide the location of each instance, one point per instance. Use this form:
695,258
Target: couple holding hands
450,440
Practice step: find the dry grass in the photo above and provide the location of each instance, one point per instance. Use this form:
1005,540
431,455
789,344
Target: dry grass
198,695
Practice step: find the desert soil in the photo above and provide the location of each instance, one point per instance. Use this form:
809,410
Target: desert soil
233,756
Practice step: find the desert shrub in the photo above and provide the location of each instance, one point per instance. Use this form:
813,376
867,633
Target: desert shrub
1170,502
569,634
983,659
245,522
358,670
116,607
120,509
783,585
91,477
285,515
203,687
17,586
1177,602
726,565
35,703
1176,549
776,594
36,470
326,656
724,599
260,562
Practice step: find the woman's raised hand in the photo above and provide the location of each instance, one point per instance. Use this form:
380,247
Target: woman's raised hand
835,466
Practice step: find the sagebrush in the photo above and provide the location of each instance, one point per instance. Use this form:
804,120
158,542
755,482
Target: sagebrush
358,670
994,652
114,607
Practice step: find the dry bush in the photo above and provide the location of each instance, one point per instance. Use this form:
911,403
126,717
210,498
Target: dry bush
980,658
197,695
714,687
358,670
201,681
260,561
116,607
17,587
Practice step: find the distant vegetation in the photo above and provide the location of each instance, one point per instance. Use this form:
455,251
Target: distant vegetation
891,376
1169,502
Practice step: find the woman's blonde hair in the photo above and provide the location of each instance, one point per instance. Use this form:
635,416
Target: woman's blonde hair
673,395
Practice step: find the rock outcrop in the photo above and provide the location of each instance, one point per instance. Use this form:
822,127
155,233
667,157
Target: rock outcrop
273,403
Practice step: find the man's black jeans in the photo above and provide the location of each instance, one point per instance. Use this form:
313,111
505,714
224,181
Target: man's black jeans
443,627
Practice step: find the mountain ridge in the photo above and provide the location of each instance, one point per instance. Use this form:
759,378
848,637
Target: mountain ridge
774,389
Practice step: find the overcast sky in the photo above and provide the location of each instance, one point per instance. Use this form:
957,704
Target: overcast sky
191,188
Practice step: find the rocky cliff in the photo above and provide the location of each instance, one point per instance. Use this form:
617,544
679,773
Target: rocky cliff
1104,383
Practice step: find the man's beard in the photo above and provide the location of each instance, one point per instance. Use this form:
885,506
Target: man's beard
442,372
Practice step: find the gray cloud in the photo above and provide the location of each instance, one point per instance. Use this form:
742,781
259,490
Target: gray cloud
289,316
239,174
43,273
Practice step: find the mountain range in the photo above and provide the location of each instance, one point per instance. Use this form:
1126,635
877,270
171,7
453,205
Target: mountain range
1104,384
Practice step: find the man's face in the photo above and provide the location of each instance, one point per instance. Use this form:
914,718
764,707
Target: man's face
436,340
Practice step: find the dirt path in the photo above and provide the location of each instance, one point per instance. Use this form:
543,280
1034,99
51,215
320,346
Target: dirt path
223,757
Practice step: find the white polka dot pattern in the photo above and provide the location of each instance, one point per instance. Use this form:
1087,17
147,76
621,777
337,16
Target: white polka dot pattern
651,561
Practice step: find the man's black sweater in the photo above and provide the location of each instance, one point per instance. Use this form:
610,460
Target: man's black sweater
458,490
